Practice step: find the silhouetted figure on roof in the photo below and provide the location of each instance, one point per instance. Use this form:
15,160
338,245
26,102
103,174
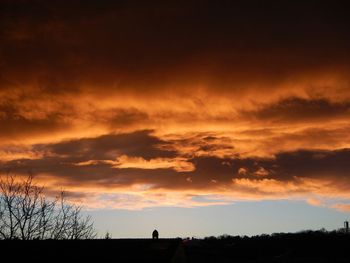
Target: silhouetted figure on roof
155,234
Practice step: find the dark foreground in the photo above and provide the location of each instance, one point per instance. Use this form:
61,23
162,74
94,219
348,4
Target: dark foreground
303,247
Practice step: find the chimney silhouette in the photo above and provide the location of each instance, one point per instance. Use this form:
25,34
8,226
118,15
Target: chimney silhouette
346,226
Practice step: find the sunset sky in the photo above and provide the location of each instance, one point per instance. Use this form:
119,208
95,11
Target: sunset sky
194,117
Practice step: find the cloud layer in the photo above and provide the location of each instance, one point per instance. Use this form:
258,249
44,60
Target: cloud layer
135,104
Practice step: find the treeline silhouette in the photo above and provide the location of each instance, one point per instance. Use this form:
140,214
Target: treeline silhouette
305,246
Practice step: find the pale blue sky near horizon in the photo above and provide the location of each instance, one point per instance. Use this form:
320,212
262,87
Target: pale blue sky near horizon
240,218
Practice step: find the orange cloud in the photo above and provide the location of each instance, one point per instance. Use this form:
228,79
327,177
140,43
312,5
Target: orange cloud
342,207
314,202
124,102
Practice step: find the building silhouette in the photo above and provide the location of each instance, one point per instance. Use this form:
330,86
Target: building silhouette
155,234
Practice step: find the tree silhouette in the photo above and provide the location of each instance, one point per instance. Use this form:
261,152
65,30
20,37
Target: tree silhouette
26,213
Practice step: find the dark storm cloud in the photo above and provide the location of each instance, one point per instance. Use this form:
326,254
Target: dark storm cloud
157,42
285,167
295,109
62,161
210,171
333,164
140,143
14,124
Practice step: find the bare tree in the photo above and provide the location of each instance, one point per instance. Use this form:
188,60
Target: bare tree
26,213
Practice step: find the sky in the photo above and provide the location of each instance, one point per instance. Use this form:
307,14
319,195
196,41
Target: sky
195,117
